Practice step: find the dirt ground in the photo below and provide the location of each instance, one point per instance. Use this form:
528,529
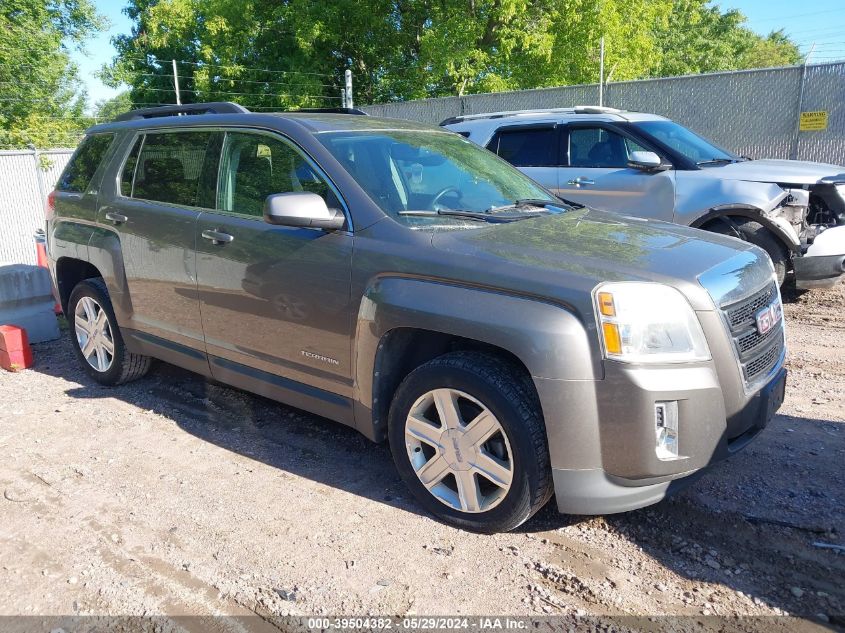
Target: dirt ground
175,496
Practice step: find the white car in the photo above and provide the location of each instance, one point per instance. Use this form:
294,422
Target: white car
649,166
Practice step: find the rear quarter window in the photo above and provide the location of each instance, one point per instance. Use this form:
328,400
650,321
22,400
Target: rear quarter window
83,165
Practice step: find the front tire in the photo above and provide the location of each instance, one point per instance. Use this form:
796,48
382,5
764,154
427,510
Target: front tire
468,439
96,337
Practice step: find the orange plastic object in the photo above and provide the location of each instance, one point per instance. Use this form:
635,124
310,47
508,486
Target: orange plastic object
15,352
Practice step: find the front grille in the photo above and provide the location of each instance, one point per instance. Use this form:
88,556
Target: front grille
742,313
758,354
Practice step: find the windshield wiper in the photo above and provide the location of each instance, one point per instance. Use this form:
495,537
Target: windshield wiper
533,202
716,161
481,216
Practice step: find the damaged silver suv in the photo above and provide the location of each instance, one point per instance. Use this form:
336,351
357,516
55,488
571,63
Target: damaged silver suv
399,279
646,165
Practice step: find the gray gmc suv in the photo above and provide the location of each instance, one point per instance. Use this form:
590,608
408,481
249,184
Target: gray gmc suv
401,280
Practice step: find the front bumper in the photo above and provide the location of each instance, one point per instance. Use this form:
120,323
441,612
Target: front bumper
824,262
596,491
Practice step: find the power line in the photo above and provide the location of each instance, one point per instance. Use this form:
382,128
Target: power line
799,15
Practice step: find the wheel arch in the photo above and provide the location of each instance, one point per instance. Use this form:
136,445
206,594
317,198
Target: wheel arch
403,323
69,272
781,230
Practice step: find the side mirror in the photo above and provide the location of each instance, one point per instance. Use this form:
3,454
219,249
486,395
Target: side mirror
647,161
302,208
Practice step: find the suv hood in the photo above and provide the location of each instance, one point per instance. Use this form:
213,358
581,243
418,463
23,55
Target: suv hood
564,256
791,172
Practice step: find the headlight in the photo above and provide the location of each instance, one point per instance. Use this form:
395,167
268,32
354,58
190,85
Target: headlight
648,323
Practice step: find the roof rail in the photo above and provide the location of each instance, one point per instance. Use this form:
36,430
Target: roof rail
214,107
331,111
581,109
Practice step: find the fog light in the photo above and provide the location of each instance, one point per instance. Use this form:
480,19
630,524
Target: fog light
666,429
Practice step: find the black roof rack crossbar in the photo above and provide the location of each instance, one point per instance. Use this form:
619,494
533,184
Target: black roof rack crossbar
332,111
215,107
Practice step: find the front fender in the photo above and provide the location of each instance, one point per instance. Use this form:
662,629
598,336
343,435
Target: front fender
702,197
549,340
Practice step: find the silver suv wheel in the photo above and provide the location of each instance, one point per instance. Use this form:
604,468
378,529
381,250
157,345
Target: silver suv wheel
94,334
459,450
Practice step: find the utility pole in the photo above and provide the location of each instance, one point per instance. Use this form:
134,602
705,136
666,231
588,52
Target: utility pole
348,77
601,72
343,97
176,83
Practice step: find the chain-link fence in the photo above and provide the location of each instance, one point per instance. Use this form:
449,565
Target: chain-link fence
752,112
26,177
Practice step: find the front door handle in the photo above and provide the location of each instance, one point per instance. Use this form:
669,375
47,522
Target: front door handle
116,218
580,181
218,238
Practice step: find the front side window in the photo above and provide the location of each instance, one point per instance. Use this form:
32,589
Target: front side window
599,147
255,166
170,167
526,147
403,170
81,168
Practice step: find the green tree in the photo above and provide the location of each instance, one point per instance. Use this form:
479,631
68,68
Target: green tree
699,38
41,99
108,109
270,54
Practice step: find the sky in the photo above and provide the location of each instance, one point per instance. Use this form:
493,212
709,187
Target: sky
821,22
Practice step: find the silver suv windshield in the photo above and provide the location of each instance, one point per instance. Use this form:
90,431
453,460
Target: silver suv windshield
697,149
420,177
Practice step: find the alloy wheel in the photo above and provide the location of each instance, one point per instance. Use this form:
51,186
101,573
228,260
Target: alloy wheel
94,334
459,450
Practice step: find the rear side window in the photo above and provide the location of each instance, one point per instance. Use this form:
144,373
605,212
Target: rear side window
169,167
526,147
82,167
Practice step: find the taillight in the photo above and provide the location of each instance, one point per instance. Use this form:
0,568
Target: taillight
50,210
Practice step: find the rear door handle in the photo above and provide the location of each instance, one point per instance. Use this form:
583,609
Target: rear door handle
217,238
581,180
116,218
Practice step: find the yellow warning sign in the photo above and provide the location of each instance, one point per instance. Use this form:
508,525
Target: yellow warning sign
813,121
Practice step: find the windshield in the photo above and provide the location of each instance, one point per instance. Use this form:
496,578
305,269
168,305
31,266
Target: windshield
686,142
416,176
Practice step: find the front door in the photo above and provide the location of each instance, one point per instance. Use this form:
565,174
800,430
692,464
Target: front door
275,300
595,172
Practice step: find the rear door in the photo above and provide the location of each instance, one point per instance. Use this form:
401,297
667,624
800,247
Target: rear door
166,179
533,148
275,299
595,172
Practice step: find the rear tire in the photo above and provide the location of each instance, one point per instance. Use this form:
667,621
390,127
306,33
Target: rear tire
759,235
490,485
96,337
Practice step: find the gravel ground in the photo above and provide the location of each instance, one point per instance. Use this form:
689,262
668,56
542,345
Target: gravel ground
175,496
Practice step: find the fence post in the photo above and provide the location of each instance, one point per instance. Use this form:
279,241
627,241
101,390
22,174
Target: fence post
348,78
39,178
793,152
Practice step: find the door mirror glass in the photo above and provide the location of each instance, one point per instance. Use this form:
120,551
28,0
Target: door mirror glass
302,208
645,161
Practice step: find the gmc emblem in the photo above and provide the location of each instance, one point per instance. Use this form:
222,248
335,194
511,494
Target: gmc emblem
768,317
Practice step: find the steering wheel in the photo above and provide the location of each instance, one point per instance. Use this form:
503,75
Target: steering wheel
446,190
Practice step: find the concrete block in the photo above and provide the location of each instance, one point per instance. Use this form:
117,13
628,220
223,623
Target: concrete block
26,300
